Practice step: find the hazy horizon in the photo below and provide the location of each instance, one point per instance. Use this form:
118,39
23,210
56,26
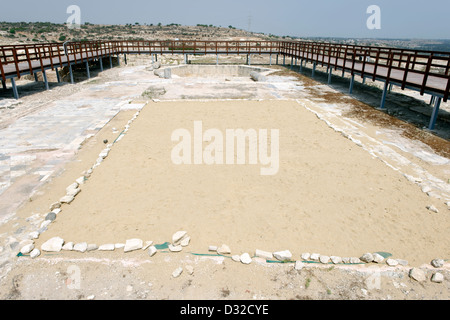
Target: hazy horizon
400,20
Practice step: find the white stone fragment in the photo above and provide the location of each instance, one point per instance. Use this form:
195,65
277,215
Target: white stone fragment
107,247
189,269
355,260
299,265
151,251
367,257
236,258
147,244
91,247
80,180
426,189
56,211
314,256
33,235
245,258
391,262
377,258
72,186
285,255
66,199
305,256
263,254
335,259
133,244
212,248
175,248
433,209
73,192
437,263
53,245
68,246
224,249
185,241
119,245
80,247
27,248
178,236
91,297
35,253
324,259
437,277
45,223
177,272
417,274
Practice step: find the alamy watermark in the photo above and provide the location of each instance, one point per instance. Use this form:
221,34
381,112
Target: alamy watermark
374,20
229,148
74,20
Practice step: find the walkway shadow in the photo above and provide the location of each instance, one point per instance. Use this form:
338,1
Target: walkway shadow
398,105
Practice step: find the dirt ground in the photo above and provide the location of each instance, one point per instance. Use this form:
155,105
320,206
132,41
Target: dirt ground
330,196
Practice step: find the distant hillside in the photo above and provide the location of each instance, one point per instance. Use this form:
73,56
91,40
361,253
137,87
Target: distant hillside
35,32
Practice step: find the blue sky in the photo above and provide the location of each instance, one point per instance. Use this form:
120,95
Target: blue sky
313,18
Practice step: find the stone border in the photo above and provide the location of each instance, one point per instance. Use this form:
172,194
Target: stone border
181,239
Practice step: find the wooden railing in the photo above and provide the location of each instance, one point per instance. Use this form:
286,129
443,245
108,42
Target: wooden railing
368,61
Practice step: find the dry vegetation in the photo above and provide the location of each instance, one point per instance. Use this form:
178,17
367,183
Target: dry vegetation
38,32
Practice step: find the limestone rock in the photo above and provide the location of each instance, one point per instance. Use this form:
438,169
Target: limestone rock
151,251
437,263
212,248
285,255
224,249
437,277
73,192
189,269
305,256
417,274
377,258
66,199
433,209
264,254
53,245
133,244
324,259
33,235
175,248
45,223
299,265
367,257
402,262
107,247
355,260
177,272
185,241
315,256
236,258
91,247
245,258
178,236
119,245
35,253
147,244
80,247
335,259
27,248
55,205
72,186
391,262
68,246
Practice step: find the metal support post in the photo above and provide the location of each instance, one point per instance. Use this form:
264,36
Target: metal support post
434,115
313,70
352,81
57,75
44,75
71,73
329,75
100,60
14,87
87,70
383,96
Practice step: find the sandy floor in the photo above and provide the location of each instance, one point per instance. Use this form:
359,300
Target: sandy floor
329,196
